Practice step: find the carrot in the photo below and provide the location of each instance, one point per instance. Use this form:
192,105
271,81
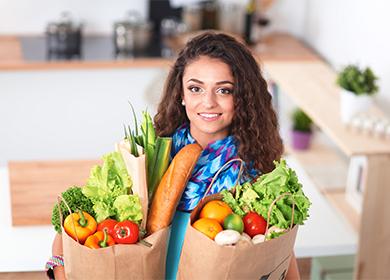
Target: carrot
171,188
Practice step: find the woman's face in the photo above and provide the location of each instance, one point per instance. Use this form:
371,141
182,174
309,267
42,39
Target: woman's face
208,97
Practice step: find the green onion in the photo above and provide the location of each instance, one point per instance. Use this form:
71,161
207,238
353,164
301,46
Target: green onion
133,144
135,119
148,128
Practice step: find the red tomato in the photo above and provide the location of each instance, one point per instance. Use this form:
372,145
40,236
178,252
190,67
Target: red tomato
107,225
126,232
254,224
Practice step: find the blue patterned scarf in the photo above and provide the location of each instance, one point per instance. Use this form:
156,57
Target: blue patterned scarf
212,158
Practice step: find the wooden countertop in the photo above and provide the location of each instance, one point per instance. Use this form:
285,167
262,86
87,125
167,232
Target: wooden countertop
278,46
284,47
34,186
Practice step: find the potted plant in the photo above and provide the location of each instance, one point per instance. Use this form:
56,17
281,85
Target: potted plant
301,132
357,88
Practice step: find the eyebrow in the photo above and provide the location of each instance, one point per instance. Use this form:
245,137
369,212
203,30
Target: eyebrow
217,83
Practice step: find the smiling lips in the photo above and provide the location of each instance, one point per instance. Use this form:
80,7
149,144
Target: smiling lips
209,116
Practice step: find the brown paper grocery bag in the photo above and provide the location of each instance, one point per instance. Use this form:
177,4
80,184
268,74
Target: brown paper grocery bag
136,167
202,258
144,260
136,261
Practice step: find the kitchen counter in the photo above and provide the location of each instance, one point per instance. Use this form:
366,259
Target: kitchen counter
278,46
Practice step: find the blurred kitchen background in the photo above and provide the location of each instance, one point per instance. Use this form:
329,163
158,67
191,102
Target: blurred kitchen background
69,68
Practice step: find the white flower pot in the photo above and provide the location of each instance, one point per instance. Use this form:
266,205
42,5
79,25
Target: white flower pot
352,104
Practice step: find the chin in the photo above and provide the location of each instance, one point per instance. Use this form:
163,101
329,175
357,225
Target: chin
214,132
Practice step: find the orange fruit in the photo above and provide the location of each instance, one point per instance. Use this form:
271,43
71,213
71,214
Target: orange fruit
215,209
209,227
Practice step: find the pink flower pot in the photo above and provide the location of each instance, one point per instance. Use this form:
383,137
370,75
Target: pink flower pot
300,140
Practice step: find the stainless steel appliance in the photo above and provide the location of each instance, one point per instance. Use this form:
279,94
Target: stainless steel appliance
131,35
63,38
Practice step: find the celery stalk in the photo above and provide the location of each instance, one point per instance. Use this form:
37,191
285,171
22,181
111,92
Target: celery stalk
148,128
149,140
159,164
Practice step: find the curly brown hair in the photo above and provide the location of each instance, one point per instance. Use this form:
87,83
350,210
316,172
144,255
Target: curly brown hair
254,126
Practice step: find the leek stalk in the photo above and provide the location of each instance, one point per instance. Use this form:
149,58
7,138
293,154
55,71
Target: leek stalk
159,164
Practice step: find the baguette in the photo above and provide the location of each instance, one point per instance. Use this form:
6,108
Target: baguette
171,188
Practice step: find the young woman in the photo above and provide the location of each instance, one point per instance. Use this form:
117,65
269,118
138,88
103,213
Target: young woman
216,96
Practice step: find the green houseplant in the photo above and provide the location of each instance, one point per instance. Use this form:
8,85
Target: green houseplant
302,130
357,88
358,81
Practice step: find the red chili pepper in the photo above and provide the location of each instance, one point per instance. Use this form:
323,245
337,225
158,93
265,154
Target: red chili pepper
126,232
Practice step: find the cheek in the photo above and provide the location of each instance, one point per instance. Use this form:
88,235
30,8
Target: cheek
190,110
229,108
190,105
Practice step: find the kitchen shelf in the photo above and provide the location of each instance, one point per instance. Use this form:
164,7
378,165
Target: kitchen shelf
273,47
311,85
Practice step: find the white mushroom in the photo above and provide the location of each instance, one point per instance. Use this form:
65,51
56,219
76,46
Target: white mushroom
245,237
227,237
258,238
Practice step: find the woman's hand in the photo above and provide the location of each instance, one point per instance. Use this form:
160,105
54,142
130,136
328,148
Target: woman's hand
293,272
59,271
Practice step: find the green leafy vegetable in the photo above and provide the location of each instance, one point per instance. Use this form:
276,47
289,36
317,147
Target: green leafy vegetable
128,207
233,203
259,196
109,188
274,234
75,200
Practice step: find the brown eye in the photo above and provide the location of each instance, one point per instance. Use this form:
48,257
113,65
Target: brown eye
225,91
194,89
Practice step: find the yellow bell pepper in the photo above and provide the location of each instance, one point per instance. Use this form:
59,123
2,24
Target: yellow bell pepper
80,225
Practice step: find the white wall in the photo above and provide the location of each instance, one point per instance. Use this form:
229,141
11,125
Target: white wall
343,32
98,16
287,15
71,114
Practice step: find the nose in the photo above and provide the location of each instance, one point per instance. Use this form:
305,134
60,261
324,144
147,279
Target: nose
209,99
